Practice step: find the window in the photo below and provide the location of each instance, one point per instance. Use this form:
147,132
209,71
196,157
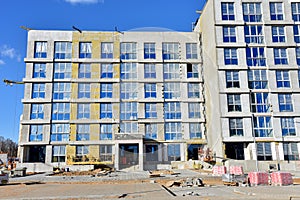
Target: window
172,110
60,132
40,50
194,110
192,71
282,79
128,111
170,51
151,152
172,90
128,71
129,127
37,111
151,131
63,50
84,71
285,102
298,78
85,50
236,127
84,90
150,90
38,90
171,71
259,102
106,90
298,55
288,126
255,56
193,90
83,111
173,131
230,56
254,34
276,11
232,79
150,110
106,153
195,131
290,150
83,132
39,70
61,91
128,51
82,151
173,152
105,131
257,79
227,11
62,70
107,71
264,151
105,111
296,33
58,153
107,50
296,12
149,50
229,34
149,71
129,90
252,12
234,102
280,56
36,133
278,34
191,51
61,111
262,126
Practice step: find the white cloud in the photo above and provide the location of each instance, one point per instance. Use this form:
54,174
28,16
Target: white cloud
2,62
6,51
84,1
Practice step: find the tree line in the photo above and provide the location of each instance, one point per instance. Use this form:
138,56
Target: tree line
8,146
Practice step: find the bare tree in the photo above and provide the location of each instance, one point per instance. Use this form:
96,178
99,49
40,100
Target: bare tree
8,146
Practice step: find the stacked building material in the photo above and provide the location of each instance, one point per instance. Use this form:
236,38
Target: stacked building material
281,178
236,170
258,178
219,170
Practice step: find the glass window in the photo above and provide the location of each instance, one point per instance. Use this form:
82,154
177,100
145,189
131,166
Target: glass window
255,56
229,34
36,133
83,111
296,11
264,151
172,90
173,131
234,102
83,132
193,90
254,34
128,51
37,111
172,110
285,102
236,127
170,51
296,33
227,11
260,102
150,90
192,71
129,127
149,50
232,79
278,34
128,71
173,152
291,151
128,111
298,78
171,71
149,71
276,11
58,153
194,110
263,126
61,90
105,110
230,56
60,132
195,131
62,70
280,56
257,79
107,50
151,152
39,70
105,131
288,126
84,71
252,12
106,153
107,71
150,110
84,90
106,90
61,111
191,51
40,50
82,151
298,55
129,90
85,50
151,131
282,79
38,90
63,50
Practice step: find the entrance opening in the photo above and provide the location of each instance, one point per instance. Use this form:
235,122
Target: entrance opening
193,151
35,154
235,151
129,155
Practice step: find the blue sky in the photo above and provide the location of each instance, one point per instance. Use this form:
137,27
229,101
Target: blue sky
96,15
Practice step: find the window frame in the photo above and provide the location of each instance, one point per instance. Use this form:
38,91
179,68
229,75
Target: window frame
253,14
232,79
229,34
39,70
62,50
82,132
40,49
234,103
236,127
276,11
172,110
83,111
106,131
61,111
36,133
107,50
283,79
191,51
149,50
285,102
170,50
230,56
60,132
227,11
128,51
173,131
85,49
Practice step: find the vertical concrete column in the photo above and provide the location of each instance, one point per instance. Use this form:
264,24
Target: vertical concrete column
141,156
48,155
117,156
160,152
